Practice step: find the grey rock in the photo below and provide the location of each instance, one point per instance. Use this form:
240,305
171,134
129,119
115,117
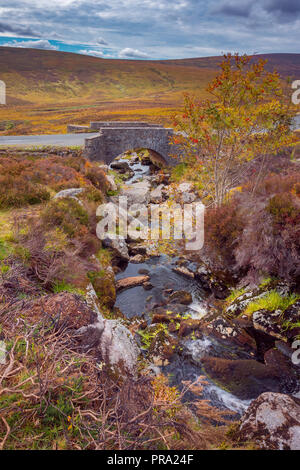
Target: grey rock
267,321
118,245
69,193
156,196
112,184
137,193
113,342
273,422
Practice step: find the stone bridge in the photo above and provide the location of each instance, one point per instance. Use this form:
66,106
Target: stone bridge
115,138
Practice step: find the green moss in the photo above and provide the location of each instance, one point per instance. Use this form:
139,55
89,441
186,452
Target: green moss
104,286
4,250
234,295
271,301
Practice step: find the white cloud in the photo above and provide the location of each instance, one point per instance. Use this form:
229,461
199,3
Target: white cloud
92,53
39,44
129,53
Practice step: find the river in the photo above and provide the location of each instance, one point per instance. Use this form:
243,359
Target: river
138,302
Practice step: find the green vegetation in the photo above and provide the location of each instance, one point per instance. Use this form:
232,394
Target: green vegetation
266,282
271,301
148,336
235,294
63,286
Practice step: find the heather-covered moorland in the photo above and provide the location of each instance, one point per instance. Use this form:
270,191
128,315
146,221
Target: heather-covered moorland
103,339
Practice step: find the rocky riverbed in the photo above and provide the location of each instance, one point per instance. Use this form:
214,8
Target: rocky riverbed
188,325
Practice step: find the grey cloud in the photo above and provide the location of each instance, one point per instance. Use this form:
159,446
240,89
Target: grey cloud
286,7
102,42
19,30
235,8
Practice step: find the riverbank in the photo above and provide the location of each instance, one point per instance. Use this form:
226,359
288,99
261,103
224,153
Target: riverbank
127,323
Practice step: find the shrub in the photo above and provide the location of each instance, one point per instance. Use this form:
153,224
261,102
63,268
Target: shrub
223,225
16,191
270,242
283,209
81,406
92,194
66,214
96,176
53,172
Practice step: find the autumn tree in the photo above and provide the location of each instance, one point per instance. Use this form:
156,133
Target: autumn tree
247,116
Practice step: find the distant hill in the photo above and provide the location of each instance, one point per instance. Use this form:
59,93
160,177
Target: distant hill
34,75
77,88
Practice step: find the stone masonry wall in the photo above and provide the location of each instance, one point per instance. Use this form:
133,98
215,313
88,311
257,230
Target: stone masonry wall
113,141
101,124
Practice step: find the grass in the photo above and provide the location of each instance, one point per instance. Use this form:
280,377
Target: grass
266,282
271,301
63,286
234,295
55,398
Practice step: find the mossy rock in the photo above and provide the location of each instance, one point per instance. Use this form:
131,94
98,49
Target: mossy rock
104,285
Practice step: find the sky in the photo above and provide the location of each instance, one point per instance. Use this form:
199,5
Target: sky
152,29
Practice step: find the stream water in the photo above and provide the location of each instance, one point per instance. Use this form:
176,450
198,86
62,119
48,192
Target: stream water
138,302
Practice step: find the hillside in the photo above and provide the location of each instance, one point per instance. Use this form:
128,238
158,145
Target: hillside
48,89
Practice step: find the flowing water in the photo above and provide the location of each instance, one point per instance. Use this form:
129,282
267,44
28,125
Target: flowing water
138,302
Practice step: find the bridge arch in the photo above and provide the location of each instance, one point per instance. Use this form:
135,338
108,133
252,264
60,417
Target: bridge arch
113,141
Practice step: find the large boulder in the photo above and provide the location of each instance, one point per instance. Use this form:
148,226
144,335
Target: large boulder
69,193
156,196
291,317
111,182
268,322
121,166
113,343
273,422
